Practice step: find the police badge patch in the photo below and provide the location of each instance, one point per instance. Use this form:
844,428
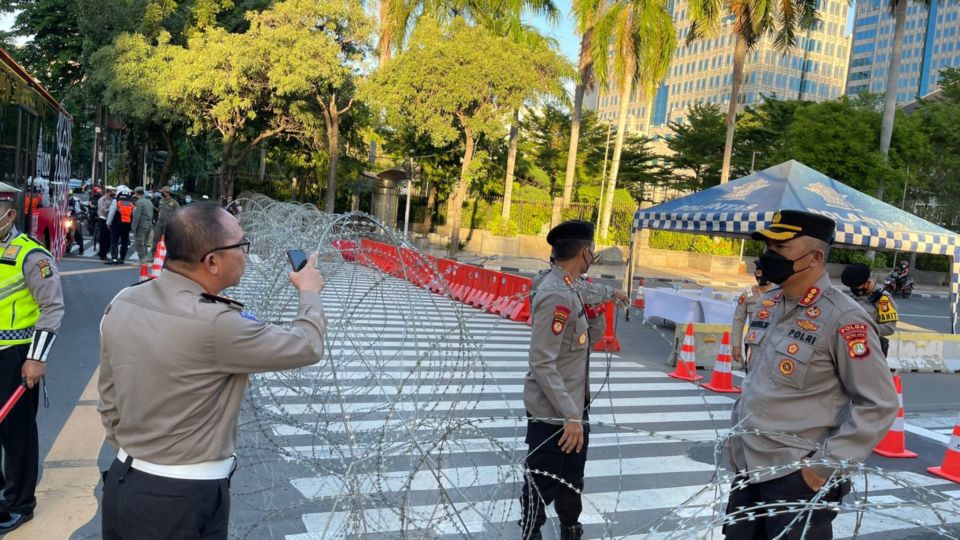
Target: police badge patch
786,367
44,266
856,337
560,315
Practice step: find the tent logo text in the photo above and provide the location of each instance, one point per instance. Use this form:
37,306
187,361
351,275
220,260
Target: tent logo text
743,191
829,195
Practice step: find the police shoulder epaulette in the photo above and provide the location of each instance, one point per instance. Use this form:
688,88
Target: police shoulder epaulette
214,299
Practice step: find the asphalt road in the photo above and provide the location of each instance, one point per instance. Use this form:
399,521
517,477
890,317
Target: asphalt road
930,401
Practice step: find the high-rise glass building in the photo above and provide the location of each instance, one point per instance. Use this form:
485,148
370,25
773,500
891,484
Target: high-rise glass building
930,43
701,72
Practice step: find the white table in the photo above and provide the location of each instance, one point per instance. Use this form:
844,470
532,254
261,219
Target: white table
718,311
688,305
675,306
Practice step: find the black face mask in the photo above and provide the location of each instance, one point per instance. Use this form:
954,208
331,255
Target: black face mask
762,281
778,268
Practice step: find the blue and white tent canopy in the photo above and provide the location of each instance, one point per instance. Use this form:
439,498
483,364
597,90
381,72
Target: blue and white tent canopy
742,206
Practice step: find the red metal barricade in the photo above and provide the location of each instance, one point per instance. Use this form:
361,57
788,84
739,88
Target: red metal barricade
513,299
443,280
487,289
347,249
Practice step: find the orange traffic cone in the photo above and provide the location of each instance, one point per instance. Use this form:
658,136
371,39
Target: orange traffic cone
144,273
951,460
609,342
687,361
158,258
722,379
894,444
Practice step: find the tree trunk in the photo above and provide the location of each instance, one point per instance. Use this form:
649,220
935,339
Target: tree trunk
455,207
386,33
511,164
739,58
431,203
626,88
890,98
168,145
585,72
226,179
333,148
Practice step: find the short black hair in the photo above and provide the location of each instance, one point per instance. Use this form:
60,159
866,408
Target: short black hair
568,248
194,230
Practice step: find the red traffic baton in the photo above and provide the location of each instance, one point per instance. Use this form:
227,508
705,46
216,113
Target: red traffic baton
13,400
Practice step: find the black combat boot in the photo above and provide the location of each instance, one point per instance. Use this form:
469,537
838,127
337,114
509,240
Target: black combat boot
571,532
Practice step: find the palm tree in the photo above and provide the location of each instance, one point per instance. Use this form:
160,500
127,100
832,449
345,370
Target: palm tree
898,8
643,39
586,13
398,17
752,19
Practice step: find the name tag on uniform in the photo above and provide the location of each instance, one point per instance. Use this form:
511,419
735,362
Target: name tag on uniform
10,253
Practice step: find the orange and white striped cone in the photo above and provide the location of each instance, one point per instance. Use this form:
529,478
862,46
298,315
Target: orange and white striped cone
158,258
144,273
686,369
722,379
951,460
894,444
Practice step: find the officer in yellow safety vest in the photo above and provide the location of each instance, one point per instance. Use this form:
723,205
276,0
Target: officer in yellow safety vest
31,308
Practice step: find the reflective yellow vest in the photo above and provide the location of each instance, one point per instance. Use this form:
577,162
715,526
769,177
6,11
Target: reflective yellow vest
18,310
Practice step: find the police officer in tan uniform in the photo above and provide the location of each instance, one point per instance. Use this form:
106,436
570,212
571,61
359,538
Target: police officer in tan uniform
877,302
746,305
566,320
819,391
167,206
170,397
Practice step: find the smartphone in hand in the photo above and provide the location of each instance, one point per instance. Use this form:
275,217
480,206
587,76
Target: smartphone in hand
297,258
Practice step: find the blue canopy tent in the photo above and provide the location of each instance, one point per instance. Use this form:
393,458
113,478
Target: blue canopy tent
742,206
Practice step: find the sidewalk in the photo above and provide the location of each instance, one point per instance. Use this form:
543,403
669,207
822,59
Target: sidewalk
685,277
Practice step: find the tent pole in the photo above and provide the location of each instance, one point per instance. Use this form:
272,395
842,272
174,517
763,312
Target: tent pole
628,274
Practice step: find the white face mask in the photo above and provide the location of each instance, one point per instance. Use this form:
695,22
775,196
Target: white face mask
5,225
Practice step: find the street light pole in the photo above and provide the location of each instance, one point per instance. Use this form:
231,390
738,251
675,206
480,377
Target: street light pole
406,212
753,161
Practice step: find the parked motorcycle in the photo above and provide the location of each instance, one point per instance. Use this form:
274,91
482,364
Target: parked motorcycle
899,283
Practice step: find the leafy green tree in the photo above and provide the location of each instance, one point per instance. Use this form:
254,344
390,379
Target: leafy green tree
457,82
54,45
314,50
129,74
696,149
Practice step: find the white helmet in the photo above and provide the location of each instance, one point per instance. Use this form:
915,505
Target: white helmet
123,190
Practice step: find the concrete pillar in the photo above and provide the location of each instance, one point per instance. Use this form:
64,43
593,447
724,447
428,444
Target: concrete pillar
383,205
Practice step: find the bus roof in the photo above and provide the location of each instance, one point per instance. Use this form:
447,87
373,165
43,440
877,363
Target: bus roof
5,58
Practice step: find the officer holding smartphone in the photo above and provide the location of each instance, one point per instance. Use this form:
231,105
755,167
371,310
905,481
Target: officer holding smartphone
171,413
